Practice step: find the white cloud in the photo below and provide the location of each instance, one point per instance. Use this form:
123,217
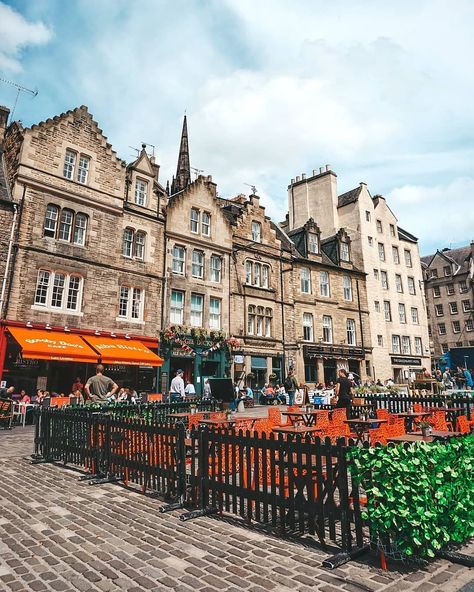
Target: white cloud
17,33
440,215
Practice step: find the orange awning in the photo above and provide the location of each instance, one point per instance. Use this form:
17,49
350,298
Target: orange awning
40,344
123,351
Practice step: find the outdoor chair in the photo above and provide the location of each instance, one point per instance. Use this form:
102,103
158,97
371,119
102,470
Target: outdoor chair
464,425
193,421
262,426
274,415
383,414
395,427
438,421
379,435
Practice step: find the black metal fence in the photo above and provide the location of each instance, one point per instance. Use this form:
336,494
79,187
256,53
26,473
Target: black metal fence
294,485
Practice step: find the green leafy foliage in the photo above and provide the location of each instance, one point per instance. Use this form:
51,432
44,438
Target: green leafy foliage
419,496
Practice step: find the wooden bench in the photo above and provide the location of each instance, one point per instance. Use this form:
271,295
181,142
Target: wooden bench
6,413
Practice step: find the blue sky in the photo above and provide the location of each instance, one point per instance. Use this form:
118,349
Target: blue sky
381,91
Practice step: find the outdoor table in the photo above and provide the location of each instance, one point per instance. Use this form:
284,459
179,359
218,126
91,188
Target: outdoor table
181,415
292,429
362,426
20,409
410,418
417,437
308,417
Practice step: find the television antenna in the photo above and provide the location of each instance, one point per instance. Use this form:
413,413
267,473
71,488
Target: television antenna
19,90
196,171
254,189
144,144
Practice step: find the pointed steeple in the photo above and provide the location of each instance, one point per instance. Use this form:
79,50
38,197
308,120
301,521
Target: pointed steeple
183,170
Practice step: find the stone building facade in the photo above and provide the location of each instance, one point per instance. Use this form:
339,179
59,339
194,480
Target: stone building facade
449,287
363,230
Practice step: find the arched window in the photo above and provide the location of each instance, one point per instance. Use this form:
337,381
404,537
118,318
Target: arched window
51,220
256,274
265,276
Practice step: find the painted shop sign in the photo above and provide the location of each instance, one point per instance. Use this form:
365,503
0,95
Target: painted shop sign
406,361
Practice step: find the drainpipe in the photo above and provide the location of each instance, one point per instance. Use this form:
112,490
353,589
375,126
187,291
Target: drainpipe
9,257
360,320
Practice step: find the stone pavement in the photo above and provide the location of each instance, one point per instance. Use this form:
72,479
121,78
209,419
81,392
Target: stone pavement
57,534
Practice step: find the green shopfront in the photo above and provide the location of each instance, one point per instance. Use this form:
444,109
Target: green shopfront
199,354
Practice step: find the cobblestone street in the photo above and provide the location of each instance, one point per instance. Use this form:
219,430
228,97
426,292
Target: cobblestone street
59,534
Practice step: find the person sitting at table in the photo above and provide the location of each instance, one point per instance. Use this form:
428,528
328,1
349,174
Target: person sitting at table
281,394
6,393
189,389
24,397
77,385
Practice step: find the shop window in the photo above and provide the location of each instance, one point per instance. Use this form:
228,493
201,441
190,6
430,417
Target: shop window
177,307
65,225
58,291
131,303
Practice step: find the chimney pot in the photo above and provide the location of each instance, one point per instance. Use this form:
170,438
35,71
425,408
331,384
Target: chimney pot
328,167
315,172
292,181
303,175
321,170
297,179
4,113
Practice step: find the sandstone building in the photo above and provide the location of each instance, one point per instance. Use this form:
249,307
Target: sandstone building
449,285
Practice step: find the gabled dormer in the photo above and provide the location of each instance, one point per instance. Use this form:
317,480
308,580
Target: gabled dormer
307,240
338,248
143,191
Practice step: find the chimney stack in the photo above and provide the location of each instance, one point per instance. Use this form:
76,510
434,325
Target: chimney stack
4,113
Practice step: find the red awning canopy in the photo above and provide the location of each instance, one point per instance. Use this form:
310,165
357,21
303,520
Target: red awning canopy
123,351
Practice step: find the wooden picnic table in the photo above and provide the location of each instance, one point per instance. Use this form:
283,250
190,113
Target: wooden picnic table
418,437
226,421
362,426
292,429
180,415
308,417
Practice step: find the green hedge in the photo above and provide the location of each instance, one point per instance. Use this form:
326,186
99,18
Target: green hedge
419,496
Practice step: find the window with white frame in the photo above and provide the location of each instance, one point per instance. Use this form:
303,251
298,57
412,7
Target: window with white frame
127,243
384,280
251,319
59,291
396,344
197,303
140,238
408,261
447,270
215,267
380,340
131,303
260,323
436,292
379,226
194,220
265,276
387,311
406,345
206,224
469,325
69,164
351,332
381,252
80,228
466,305
305,280
457,326
308,329
178,259
65,225
439,310
83,169
313,245
414,316
197,264
141,189
411,285
177,307
442,328
453,307
51,220
327,329
392,230
418,346
268,322
433,273
444,347
450,289
396,255
347,287
256,232
463,286
402,313
257,274
324,288
398,283
344,250
133,243
214,313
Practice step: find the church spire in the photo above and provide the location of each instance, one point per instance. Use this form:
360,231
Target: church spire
183,170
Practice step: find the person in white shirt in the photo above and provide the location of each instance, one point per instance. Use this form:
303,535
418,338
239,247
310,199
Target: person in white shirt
190,390
177,387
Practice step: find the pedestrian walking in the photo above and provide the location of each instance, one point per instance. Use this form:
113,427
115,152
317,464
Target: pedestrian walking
343,391
99,387
291,385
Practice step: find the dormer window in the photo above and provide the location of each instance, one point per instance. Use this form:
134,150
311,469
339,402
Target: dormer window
256,232
344,249
313,246
140,192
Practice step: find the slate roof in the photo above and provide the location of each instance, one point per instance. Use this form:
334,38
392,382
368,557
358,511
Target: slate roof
405,235
459,256
349,197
